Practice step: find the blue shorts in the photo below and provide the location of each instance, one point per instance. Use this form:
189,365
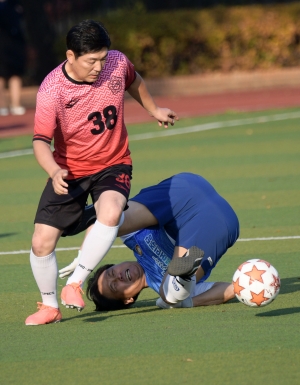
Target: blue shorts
193,214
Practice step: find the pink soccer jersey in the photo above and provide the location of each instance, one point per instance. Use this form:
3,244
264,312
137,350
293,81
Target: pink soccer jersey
86,120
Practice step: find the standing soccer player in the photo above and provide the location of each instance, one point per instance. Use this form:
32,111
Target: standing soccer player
80,105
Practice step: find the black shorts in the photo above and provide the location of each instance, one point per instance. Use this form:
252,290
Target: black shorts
61,211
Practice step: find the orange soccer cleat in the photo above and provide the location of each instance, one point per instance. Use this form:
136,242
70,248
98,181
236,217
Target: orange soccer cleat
71,296
45,315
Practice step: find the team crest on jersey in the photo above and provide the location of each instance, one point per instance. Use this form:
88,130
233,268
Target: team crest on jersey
72,102
115,84
138,250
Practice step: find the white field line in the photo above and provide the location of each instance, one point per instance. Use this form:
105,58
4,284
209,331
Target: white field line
122,246
186,130
214,125
269,238
13,154
57,249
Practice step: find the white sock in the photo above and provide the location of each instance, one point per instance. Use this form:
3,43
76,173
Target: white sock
45,273
96,245
177,289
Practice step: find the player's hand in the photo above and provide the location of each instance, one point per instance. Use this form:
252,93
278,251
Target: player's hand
65,271
165,116
59,185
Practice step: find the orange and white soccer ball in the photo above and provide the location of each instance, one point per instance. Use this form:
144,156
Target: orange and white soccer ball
256,283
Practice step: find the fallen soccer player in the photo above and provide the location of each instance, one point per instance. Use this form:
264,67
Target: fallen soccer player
178,230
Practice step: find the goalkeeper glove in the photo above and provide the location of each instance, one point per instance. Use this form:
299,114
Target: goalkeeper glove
64,272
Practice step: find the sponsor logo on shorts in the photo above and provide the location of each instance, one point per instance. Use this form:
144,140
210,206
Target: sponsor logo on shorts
210,261
122,187
50,293
174,283
125,180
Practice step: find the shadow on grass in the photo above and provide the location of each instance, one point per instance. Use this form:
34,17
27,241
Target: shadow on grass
97,316
111,314
4,235
279,312
290,285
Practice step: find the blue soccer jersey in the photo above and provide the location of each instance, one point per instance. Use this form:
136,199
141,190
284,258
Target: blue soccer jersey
153,250
192,213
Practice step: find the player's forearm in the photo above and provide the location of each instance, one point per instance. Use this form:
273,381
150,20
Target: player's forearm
138,90
220,292
44,157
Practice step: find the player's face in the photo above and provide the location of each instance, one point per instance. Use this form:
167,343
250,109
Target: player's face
86,68
122,281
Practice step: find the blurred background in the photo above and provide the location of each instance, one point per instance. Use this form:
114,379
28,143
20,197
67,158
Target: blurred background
195,46
166,38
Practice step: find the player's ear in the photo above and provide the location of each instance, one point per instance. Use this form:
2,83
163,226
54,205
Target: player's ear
127,301
70,56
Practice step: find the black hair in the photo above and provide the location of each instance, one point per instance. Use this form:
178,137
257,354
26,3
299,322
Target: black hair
103,303
87,36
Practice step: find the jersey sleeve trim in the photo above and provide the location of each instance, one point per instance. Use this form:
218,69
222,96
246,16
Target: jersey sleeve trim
133,79
43,138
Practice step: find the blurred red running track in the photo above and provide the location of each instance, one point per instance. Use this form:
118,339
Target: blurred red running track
184,106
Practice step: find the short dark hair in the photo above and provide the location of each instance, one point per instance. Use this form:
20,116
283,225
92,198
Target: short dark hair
103,303
87,36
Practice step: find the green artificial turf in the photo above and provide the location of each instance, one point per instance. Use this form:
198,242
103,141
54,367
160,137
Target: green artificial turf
256,167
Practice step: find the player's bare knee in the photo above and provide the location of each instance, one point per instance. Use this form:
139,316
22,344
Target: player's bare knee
111,216
43,243
41,247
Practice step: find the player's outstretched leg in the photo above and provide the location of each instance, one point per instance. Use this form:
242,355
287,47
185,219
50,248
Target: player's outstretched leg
88,218
71,296
187,265
45,315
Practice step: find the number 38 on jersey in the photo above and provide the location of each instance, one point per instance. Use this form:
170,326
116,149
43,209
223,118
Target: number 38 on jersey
106,119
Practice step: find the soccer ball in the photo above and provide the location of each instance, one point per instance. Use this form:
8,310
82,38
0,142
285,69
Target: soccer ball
256,283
